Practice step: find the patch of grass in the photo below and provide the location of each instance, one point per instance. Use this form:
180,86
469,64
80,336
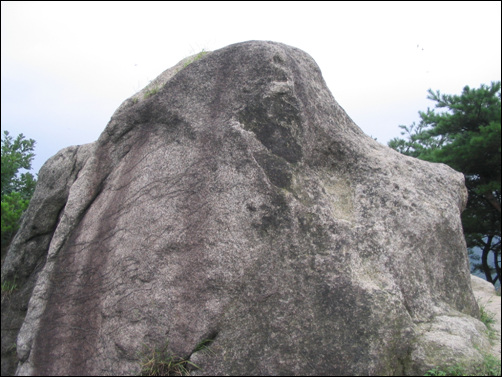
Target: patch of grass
203,346
195,58
486,317
161,362
489,367
8,287
455,370
151,92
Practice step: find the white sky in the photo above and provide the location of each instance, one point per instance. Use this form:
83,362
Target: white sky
66,67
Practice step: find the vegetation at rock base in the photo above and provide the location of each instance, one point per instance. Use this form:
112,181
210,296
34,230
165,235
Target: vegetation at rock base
161,362
464,132
17,188
488,319
489,367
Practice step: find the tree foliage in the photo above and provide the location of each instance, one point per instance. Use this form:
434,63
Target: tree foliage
17,187
464,131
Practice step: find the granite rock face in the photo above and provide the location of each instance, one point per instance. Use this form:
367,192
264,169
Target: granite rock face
238,205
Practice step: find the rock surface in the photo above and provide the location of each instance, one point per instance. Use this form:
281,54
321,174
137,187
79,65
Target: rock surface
238,203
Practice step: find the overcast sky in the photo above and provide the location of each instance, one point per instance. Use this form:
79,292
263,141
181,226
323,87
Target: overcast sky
66,67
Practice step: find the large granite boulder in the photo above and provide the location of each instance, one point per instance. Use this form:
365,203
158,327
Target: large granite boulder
234,203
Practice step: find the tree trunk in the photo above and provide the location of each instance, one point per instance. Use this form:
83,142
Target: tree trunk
496,254
484,260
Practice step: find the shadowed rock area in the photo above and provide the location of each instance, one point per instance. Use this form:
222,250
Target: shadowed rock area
238,205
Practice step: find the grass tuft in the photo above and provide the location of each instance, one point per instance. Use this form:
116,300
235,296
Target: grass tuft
195,58
151,92
203,346
161,362
8,287
488,319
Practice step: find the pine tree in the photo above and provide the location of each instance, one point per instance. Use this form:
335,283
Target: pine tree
466,135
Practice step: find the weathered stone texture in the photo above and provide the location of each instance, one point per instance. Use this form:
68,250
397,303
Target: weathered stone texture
28,251
241,204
